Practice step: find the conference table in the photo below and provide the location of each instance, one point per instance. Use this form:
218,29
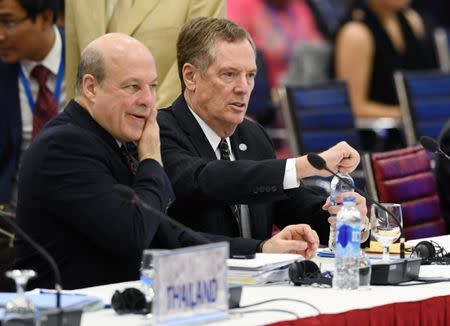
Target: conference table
405,304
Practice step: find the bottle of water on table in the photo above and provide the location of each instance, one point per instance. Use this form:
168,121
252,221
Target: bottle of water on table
337,187
347,252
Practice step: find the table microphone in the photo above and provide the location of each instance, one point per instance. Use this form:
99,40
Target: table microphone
432,146
319,163
7,217
130,195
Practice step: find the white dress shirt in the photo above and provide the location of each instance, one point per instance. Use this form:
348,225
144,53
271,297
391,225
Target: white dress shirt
290,175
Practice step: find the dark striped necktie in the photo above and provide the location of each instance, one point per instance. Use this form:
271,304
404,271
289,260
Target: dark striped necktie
129,159
224,150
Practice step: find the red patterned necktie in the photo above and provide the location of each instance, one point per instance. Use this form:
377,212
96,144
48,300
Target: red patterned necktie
130,161
46,106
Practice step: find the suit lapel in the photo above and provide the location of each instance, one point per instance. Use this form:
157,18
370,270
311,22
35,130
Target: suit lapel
239,145
131,15
191,127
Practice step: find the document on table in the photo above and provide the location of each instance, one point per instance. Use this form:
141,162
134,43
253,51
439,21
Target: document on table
264,268
263,262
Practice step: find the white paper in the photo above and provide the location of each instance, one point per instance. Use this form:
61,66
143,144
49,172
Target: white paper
263,261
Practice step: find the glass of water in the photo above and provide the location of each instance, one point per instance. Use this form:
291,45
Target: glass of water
20,310
385,229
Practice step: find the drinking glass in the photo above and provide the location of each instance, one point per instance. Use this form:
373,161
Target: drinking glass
385,228
20,307
365,271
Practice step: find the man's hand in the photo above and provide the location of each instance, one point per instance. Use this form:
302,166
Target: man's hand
341,157
295,239
149,146
360,205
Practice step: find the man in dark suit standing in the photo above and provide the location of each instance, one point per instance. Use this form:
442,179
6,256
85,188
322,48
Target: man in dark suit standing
108,135
31,59
222,166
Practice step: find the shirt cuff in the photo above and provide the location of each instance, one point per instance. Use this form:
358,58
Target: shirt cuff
290,180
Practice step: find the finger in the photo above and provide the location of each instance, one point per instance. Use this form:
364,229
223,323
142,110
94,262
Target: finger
284,246
333,210
302,232
327,204
332,220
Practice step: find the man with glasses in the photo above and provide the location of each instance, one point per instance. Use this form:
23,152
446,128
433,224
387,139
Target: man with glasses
31,81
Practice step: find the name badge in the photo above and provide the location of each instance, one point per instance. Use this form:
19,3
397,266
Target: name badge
190,284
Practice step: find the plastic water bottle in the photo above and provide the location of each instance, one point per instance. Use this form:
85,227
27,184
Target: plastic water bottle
337,187
346,274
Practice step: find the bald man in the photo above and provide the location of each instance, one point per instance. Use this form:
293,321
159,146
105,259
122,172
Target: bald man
108,135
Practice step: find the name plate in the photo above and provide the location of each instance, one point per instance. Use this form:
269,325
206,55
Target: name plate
190,284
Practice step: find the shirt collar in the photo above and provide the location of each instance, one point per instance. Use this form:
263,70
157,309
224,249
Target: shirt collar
213,138
51,61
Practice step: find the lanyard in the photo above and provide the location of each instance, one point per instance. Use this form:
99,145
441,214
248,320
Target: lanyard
56,93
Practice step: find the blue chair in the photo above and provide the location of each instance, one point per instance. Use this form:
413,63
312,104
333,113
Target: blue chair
424,98
317,117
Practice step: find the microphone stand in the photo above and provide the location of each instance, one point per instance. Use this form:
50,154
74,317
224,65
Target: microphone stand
130,195
7,218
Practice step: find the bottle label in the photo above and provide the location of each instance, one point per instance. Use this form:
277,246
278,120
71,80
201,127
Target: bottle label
347,240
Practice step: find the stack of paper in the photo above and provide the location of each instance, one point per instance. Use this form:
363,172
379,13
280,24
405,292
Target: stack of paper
47,300
264,268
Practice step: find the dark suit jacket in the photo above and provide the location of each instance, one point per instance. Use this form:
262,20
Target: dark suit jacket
205,186
443,173
67,204
10,126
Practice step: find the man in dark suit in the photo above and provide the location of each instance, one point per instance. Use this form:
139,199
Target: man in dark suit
28,39
243,190
443,172
67,201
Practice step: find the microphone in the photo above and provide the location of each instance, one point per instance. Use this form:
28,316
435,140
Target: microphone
129,194
432,146
319,163
7,218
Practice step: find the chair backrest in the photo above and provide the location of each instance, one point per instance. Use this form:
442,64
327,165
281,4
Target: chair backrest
424,98
404,176
442,44
317,117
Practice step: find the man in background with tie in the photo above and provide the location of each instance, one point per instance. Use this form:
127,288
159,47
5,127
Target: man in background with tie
221,165
32,87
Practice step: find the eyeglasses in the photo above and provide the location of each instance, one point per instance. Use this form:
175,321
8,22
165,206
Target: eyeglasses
10,24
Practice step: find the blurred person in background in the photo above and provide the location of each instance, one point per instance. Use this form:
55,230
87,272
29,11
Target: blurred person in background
276,26
378,38
32,88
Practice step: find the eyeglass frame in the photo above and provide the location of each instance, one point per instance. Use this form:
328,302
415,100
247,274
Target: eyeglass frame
9,25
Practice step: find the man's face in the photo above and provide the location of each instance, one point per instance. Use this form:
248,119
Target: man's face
124,101
222,92
19,35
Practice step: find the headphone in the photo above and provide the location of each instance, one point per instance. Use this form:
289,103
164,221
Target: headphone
306,272
431,252
130,300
